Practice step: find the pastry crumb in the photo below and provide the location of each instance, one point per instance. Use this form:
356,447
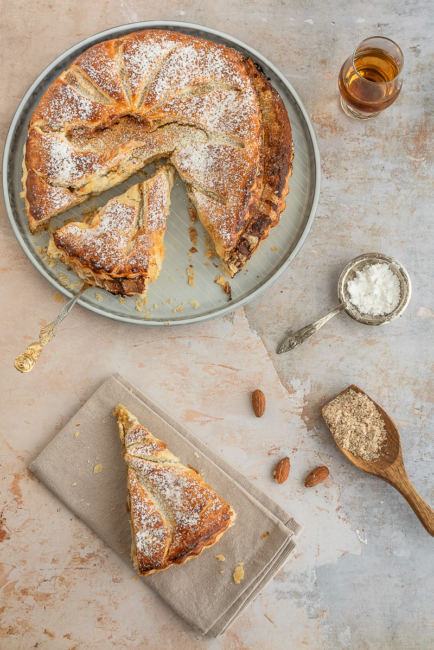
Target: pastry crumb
274,248
224,285
98,296
76,434
179,308
57,296
196,454
265,535
192,214
190,274
206,263
169,302
238,574
122,300
192,250
74,285
140,304
193,235
97,469
220,558
155,306
210,254
222,571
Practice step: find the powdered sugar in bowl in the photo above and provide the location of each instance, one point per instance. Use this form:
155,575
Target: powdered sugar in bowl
356,271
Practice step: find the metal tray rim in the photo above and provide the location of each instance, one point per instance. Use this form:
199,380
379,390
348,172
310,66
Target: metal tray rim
162,24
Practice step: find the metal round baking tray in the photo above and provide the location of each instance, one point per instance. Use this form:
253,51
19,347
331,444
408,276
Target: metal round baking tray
170,299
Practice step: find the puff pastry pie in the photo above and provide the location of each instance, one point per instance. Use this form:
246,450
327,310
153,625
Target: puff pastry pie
122,248
127,102
175,515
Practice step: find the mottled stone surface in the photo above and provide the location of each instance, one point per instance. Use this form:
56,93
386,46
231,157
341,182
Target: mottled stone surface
61,588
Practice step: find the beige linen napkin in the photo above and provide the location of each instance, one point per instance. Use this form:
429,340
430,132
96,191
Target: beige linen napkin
208,600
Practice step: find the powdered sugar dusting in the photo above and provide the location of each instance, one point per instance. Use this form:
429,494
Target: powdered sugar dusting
57,198
63,105
184,492
99,65
142,53
135,434
105,243
110,244
66,165
152,535
193,65
150,449
221,169
221,217
222,111
156,203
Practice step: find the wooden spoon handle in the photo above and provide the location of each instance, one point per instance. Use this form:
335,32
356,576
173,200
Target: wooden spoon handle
422,510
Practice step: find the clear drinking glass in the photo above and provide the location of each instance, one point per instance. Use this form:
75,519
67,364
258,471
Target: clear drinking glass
371,78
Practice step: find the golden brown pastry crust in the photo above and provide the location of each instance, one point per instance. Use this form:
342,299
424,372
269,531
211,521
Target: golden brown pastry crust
122,248
175,515
151,94
156,79
277,160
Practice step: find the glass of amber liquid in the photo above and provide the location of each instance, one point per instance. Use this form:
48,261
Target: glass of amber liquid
371,78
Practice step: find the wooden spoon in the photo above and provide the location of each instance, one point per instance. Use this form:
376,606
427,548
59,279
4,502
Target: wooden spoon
390,466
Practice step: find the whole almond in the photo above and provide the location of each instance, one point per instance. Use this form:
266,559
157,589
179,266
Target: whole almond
317,475
281,471
258,402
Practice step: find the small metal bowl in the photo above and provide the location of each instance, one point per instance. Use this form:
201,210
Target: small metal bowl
359,263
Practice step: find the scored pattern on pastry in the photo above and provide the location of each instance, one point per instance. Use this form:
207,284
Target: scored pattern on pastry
124,103
122,248
175,515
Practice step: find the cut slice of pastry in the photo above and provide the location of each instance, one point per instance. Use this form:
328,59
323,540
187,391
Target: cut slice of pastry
175,515
122,248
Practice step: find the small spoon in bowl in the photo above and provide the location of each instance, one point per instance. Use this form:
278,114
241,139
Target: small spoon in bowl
390,466
349,273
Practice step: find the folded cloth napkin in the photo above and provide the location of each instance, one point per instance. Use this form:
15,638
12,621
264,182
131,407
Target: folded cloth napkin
86,472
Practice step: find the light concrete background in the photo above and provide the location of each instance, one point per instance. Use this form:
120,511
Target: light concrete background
363,574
